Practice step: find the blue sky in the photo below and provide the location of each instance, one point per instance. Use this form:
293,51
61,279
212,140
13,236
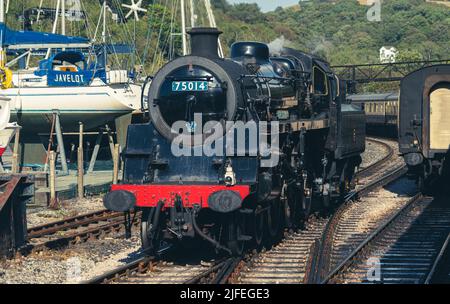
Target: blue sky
268,5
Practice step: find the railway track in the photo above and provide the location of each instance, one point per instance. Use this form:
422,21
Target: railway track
390,150
286,263
74,230
403,245
388,168
223,272
293,260
405,249
153,270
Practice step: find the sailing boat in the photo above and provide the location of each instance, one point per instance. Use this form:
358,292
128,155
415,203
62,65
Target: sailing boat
67,82
80,93
7,129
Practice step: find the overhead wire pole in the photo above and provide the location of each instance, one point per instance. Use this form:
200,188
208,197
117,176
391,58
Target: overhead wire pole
183,28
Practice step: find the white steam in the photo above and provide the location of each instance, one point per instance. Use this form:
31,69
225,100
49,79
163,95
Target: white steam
277,45
321,46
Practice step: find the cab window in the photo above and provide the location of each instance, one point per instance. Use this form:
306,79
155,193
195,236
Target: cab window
338,86
320,84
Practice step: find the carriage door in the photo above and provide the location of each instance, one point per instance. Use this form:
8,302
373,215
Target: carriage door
440,118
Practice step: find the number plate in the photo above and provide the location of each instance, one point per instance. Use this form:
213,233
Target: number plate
189,86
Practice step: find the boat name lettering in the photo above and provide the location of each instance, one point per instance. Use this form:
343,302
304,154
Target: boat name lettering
69,78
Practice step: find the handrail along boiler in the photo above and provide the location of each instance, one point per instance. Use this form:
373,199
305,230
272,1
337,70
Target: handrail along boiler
235,199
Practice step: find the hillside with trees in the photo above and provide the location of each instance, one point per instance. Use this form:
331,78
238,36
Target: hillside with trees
340,30
336,30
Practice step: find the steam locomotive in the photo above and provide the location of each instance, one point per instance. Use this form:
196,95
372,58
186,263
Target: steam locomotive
236,150
424,126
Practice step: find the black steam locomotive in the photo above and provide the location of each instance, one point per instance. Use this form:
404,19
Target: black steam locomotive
424,125
238,149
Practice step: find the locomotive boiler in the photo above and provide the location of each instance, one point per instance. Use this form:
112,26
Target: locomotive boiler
235,150
424,126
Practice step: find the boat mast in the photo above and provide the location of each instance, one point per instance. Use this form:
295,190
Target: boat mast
104,22
183,28
2,11
212,22
2,20
192,13
105,58
55,25
63,17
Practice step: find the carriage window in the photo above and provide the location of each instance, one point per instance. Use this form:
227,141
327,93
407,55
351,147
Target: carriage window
320,82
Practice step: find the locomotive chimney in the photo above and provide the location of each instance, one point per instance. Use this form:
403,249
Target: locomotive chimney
205,41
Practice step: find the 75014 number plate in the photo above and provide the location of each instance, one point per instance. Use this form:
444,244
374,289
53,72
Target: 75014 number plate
190,86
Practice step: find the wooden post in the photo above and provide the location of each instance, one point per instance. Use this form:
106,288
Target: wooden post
95,152
15,158
60,140
53,200
50,142
80,181
116,160
80,144
110,139
80,165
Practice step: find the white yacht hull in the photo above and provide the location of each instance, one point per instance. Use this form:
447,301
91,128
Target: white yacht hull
94,105
6,135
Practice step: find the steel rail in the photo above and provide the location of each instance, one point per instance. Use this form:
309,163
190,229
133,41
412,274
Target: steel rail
320,262
348,260
71,223
437,262
74,230
387,157
219,271
140,265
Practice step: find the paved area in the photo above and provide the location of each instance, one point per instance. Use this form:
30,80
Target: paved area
67,182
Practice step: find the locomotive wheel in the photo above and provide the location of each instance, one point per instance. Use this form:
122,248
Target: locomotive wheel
327,201
306,205
274,221
345,185
236,230
151,240
256,228
291,208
